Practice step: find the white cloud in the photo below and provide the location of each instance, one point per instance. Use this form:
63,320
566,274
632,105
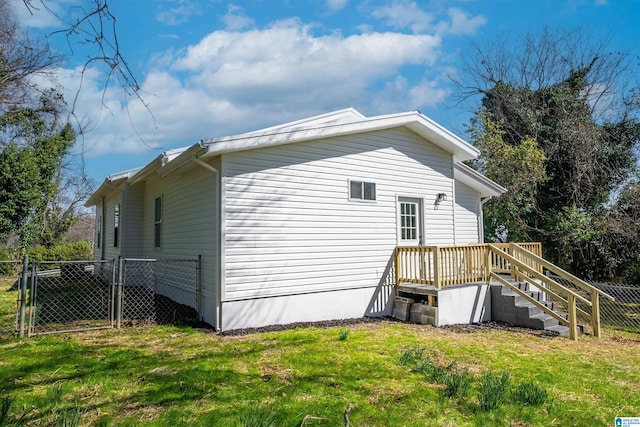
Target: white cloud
404,14
232,81
461,23
235,19
176,12
336,5
38,16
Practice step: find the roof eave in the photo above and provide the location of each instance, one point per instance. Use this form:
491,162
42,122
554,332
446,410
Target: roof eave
474,179
414,121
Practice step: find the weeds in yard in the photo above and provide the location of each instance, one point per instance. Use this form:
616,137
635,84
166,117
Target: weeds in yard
4,409
434,372
411,356
529,394
259,417
457,384
492,390
343,334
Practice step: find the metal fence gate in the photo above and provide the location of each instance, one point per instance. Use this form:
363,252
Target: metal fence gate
66,296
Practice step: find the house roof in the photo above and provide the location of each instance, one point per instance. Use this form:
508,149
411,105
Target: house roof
338,123
477,181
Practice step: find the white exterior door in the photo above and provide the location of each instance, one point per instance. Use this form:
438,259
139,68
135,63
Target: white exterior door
410,227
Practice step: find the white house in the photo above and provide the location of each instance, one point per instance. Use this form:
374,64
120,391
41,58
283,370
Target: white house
297,222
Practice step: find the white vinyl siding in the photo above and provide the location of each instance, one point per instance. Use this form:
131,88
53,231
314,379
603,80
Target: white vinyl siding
108,227
467,211
132,221
291,228
189,218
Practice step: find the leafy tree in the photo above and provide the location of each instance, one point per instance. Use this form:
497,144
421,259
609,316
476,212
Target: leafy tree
34,142
558,125
29,173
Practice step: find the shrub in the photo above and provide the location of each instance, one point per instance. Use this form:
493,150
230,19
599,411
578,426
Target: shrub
63,252
8,269
529,394
631,276
343,334
493,390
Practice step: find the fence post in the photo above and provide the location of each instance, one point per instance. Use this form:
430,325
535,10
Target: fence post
119,293
23,295
595,313
200,280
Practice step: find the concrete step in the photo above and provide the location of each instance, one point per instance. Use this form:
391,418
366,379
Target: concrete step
510,307
560,330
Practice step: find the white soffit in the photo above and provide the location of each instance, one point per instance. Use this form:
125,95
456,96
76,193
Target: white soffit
477,181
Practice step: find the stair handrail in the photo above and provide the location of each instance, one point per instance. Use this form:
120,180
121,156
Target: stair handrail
521,265
563,273
572,297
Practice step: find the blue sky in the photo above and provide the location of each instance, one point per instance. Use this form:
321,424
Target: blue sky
212,68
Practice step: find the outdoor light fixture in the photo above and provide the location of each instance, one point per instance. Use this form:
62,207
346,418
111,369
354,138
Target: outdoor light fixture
440,197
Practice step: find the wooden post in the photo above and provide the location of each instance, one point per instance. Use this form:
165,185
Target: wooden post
398,267
595,313
437,268
487,264
573,321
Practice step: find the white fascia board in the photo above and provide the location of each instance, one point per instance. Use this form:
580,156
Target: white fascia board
414,121
107,186
477,181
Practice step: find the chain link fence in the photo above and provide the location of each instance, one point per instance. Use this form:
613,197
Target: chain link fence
64,296
160,291
623,313
68,296
9,296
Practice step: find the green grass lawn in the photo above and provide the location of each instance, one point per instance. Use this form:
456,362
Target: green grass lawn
179,376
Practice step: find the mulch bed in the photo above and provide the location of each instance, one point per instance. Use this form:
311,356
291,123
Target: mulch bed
463,329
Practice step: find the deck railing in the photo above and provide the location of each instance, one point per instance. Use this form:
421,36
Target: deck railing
440,266
456,264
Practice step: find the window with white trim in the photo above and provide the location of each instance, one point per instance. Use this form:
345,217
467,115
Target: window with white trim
157,223
116,225
361,190
98,231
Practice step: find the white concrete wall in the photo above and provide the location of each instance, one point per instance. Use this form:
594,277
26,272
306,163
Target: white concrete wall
290,228
467,209
314,307
464,304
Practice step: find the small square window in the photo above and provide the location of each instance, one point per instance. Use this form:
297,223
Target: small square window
360,190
